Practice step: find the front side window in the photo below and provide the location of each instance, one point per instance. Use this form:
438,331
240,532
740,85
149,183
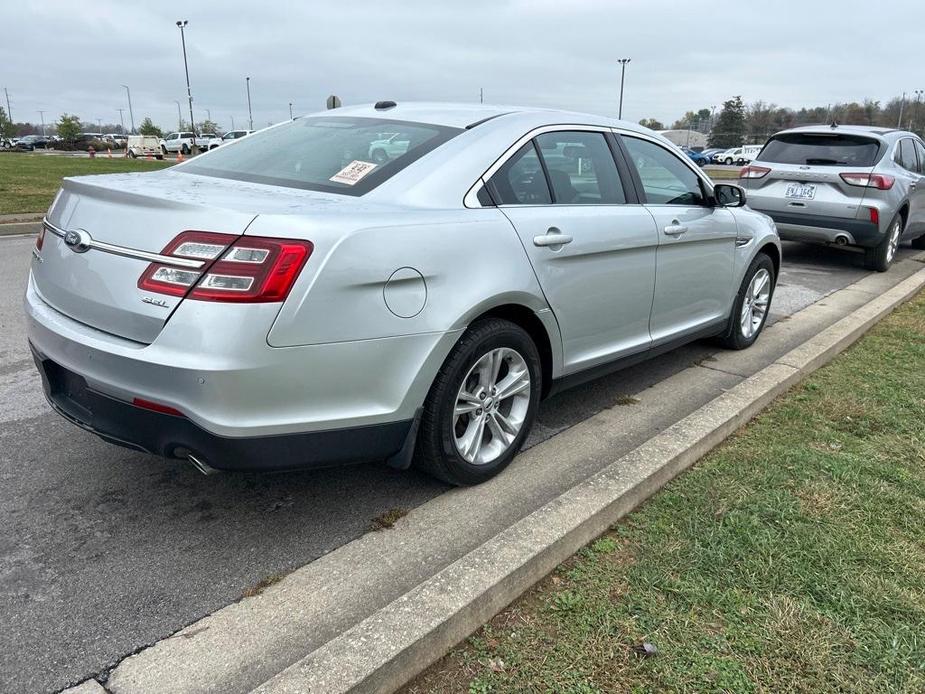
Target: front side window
581,168
520,180
326,153
666,180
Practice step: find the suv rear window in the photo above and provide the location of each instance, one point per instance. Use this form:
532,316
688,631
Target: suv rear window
334,154
822,149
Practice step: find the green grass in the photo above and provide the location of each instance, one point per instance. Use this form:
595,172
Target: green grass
28,182
723,174
790,559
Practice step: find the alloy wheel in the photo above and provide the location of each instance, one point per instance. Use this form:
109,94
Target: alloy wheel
491,406
755,303
895,232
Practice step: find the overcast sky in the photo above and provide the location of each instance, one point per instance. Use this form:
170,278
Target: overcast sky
67,56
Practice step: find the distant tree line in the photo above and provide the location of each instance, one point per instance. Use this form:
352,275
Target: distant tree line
69,127
738,123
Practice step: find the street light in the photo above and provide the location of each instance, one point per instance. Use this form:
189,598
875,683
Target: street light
42,115
9,111
623,62
181,24
915,112
208,115
179,117
121,119
250,115
290,110
131,116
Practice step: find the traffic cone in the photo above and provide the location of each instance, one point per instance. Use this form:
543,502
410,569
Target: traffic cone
109,152
148,156
179,156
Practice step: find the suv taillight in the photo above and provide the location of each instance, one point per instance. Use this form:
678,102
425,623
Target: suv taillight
754,172
248,269
40,239
868,180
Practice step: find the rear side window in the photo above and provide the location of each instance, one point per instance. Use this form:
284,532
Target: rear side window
921,152
520,180
335,154
905,155
581,168
821,149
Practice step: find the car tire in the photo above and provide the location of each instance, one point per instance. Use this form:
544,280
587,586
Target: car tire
164,150
728,161
882,255
132,154
185,150
159,157
752,304
490,353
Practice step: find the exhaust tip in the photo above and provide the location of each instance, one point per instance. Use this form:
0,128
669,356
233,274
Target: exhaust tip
201,465
841,240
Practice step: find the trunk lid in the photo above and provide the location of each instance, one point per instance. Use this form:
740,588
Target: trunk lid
139,213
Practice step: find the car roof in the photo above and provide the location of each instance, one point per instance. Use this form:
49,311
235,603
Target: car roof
877,131
462,115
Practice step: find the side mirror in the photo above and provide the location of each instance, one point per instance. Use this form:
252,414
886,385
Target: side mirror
728,195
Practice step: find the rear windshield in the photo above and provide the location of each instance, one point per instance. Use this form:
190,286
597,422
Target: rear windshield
822,149
332,154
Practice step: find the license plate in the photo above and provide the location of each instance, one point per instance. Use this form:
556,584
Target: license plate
800,191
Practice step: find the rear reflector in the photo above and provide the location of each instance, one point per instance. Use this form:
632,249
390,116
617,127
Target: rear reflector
874,215
156,407
868,180
245,270
754,172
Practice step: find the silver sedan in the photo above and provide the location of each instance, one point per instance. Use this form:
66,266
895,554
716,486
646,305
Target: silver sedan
288,300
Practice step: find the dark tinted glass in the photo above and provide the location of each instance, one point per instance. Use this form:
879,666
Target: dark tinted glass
908,159
665,178
327,153
823,149
921,152
520,180
581,168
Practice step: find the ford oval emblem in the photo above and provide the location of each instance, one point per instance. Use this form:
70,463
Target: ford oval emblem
78,241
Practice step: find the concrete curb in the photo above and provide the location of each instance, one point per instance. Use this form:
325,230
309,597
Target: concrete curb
17,228
392,646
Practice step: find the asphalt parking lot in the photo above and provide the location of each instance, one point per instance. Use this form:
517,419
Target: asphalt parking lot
106,551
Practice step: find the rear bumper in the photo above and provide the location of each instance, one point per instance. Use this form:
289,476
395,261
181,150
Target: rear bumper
173,436
824,229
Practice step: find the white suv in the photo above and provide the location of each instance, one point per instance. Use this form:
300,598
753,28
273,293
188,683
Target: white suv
228,137
738,155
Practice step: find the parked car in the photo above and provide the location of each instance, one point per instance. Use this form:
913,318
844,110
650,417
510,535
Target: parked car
698,158
738,155
845,185
144,146
711,152
228,137
388,146
6,143
341,311
183,142
32,142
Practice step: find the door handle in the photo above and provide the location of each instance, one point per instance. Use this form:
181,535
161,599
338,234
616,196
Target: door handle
675,228
553,238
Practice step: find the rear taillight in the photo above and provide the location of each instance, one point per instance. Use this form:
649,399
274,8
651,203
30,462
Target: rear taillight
246,269
754,172
40,239
868,180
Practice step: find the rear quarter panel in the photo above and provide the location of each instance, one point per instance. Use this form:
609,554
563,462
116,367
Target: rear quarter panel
459,262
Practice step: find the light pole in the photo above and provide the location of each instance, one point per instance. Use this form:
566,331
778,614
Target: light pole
481,95
121,119
902,107
250,115
42,116
99,124
623,62
915,111
232,122
192,124
131,116
179,117
290,110
9,112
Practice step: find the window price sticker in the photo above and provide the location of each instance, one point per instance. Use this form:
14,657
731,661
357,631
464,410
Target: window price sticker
353,172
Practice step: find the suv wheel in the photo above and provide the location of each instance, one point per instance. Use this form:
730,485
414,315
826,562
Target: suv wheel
185,149
752,305
164,150
881,257
728,161
482,404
